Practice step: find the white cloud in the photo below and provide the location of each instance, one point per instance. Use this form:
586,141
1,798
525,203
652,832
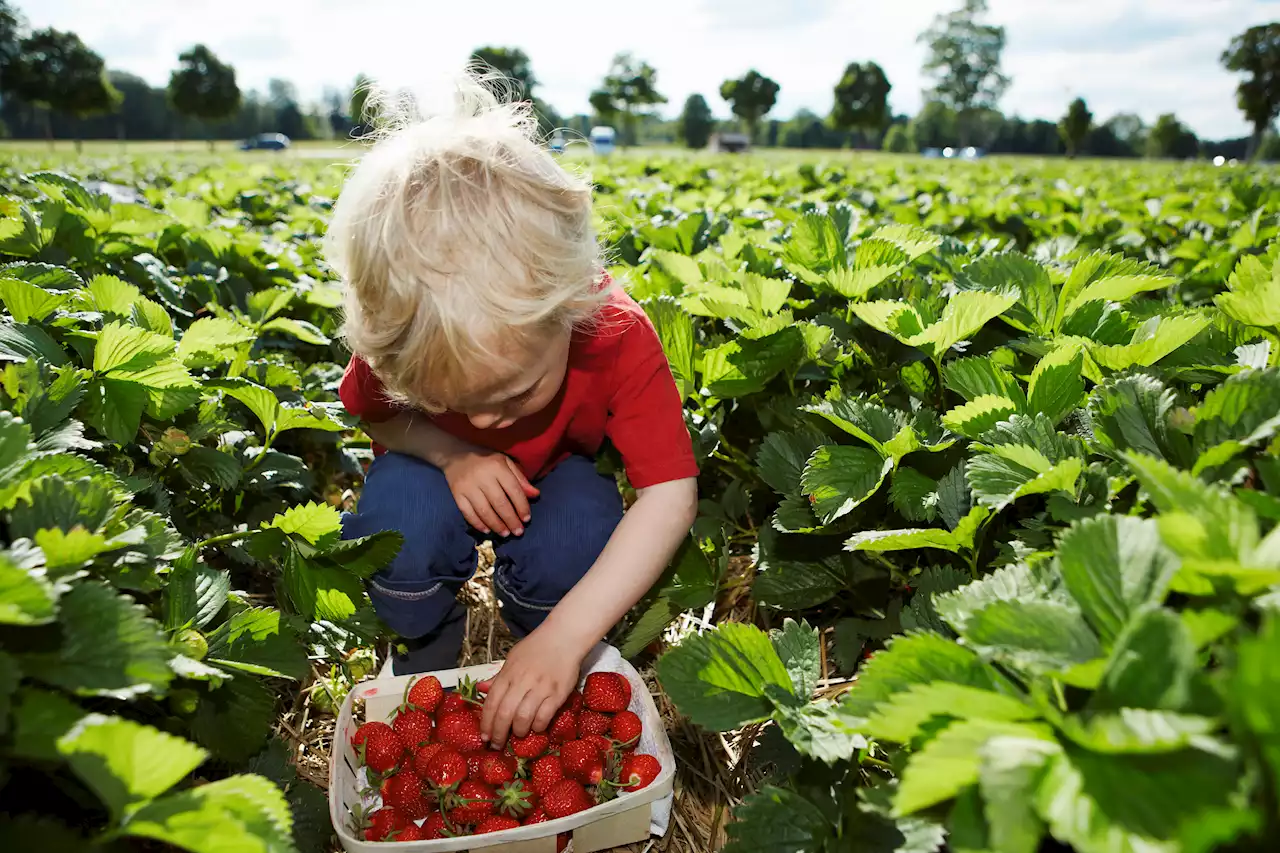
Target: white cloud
1143,56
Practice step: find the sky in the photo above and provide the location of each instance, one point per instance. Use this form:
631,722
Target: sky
1142,56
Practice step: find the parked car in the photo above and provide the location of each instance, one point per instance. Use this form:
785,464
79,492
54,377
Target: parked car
602,140
265,142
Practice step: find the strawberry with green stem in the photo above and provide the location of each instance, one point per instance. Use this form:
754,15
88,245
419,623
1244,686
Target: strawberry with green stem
516,798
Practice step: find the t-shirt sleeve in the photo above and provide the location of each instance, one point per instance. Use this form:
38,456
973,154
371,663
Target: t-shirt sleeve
646,415
363,394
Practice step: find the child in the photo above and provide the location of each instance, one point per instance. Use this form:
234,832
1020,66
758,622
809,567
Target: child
493,357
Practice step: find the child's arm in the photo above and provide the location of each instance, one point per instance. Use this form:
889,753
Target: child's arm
489,488
542,669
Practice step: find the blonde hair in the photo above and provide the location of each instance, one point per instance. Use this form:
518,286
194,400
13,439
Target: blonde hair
461,240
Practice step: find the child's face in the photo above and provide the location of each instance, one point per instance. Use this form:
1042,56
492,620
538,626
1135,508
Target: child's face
526,392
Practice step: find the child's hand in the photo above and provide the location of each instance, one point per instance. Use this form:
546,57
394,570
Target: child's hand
537,677
490,490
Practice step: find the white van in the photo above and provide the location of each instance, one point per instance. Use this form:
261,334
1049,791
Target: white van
602,140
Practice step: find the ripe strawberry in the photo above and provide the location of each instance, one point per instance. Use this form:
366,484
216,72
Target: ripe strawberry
403,791
414,727
423,757
473,764
460,730
626,729
362,734
451,703
426,693
471,803
380,748
607,691
593,723
574,702
531,746
446,769
435,827
495,823
583,761
564,726
496,768
545,772
536,816
639,771
564,798
383,821
516,798
410,833
601,742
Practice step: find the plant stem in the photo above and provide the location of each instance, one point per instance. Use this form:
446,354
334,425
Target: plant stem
223,539
266,445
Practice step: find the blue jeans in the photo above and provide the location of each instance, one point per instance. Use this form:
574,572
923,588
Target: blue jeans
571,520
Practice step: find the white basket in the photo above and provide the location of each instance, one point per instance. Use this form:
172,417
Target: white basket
626,820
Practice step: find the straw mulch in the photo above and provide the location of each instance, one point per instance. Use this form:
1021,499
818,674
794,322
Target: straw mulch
713,773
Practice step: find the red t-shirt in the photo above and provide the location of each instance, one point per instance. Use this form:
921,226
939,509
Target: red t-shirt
618,385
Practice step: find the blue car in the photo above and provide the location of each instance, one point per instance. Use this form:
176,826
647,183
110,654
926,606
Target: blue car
265,142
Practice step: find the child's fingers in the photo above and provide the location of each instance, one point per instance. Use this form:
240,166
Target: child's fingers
528,488
523,721
511,485
506,712
484,508
501,506
490,710
469,513
546,713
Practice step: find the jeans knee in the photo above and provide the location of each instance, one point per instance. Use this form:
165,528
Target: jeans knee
411,609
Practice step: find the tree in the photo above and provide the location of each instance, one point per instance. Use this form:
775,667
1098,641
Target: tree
862,98
1256,52
1170,138
964,61
750,97
1074,126
934,126
898,140
59,73
12,27
696,122
629,86
512,63
204,87
362,120
283,97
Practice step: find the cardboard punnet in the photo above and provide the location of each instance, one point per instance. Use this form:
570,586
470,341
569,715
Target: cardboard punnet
625,820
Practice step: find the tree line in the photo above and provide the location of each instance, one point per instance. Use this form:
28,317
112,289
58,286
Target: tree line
52,85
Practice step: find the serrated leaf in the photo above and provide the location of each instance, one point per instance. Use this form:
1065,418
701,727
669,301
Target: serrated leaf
916,659
1036,310
820,730
219,337
876,262
20,342
745,366
719,679
300,329
681,267
68,550
367,554
675,330
1197,519
920,614
861,419
964,314
214,467
26,597
244,813
110,295
1253,296
1034,635
815,244
1154,340
28,303
1008,777
1132,413
1253,694
1138,730
782,458
317,523
915,241
775,819
954,501
256,640
979,415
951,762
261,401
796,584
1057,386
122,347
1018,582
1151,665
979,376
840,478
797,648
1240,413
1109,278
1113,567
321,416
914,495
321,590
194,595
903,716
233,720
125,763
766,296
109,647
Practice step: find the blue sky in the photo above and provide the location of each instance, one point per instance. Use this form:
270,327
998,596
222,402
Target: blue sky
1143,56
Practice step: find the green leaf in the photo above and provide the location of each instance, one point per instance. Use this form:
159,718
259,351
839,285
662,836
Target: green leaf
261,401
1198,520
979,376
234,719
1017,582
110,295
914,495
66,188
815,244
256,640
1109,278
26,597
1151,666
915,241
1240,413
795,584
194,595
1253,695
109,647
216,337
125,763
920,614
675,331
1056,384
1034,635
1137,730
1254,293
317,523
114,408
20,342
300,329
782,458
650,625
840,478
71,549
28,302
1036,310
952,761
1154,340
1131,414
1012,471
797,648
745,366
863,420
246,814
10,676
962,538
1008,778
367,554
820,730
777,819
214,467
322,591
916,659
719,679
321,416
122,347
876,262
1115,566
682,268
965,313
979,415
904,715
